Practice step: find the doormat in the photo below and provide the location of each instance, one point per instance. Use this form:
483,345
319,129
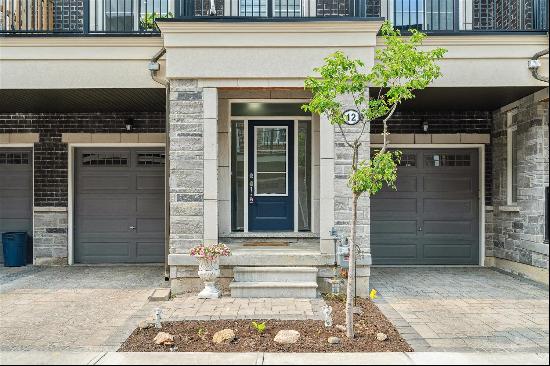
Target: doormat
267,244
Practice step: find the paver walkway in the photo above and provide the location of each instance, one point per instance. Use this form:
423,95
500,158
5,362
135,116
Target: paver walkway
464,309
96,308
73,308
190,307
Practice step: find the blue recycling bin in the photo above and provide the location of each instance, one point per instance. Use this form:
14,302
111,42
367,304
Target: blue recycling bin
14,247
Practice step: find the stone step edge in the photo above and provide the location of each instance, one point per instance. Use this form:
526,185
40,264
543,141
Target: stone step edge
275,269
273,284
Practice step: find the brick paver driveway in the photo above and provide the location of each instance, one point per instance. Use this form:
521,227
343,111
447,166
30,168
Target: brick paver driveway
464,309
73,308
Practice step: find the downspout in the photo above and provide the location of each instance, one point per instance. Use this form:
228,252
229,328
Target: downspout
153,68
534,65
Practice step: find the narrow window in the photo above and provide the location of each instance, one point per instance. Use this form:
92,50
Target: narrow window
304,175
512,158
237,176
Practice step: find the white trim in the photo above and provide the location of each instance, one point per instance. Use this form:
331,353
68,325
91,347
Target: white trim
481,149
245,170
70,172
27,146
295,183
245,120
510,131
256,163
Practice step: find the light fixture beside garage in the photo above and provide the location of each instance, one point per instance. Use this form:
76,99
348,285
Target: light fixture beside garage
129,124
425,126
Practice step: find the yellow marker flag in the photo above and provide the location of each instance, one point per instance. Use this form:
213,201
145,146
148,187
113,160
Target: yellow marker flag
373,293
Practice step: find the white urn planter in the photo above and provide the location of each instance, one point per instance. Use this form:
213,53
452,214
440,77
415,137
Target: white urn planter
209,271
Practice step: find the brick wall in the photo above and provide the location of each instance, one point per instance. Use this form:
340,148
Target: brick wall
446,122
519,235
50,153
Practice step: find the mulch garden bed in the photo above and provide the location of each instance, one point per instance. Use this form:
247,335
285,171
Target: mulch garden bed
196,336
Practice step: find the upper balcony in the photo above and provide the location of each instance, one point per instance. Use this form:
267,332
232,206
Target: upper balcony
136,17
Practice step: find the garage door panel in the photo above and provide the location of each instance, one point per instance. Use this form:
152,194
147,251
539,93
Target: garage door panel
15,224
394,227
149,205
445,251
443,226
105,248
403,184
100,181
393,251
119,208
151,249
16,206
149,182
150,225
105,205
447,184
453,228
15,182
112,225
403,205
448,208
16,199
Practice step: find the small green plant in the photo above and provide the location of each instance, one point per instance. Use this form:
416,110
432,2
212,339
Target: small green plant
260,327
148,21
202,333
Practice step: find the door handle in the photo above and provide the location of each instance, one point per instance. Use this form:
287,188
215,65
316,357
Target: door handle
419,229
132,227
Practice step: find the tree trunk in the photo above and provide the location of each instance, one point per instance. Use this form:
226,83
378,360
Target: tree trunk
350,293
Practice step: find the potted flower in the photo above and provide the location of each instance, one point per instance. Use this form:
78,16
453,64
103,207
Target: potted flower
209,267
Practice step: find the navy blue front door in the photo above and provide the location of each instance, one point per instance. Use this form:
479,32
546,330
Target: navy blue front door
270,175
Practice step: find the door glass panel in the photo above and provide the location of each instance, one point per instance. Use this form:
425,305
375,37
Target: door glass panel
237,175
271,160
304,175
271,183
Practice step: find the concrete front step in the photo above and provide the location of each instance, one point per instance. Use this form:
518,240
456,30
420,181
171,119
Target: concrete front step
274,289
275,274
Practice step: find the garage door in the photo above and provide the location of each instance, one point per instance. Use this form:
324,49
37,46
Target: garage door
119,206
432,218
15,191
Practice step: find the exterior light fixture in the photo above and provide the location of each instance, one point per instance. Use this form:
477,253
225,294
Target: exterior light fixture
129,124
425,126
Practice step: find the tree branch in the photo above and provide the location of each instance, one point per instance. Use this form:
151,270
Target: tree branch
344,136
385,130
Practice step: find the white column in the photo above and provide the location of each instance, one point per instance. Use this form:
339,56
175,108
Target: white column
210,118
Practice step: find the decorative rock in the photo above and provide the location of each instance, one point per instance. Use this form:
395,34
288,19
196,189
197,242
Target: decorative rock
287,337
381,337
223,336
357,310
144,324
166,339
341,328
333,340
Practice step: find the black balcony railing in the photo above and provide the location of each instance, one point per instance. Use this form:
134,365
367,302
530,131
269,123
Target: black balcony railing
138,16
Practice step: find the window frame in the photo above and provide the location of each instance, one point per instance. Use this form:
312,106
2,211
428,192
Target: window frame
511,129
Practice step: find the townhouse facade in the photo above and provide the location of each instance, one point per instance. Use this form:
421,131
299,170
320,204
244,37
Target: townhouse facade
131,131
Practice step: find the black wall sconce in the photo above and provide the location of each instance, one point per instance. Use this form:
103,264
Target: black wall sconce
129,124
425,126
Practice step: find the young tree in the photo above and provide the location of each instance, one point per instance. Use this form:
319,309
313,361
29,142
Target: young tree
400,68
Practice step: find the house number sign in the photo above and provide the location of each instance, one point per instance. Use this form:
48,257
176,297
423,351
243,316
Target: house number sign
352,117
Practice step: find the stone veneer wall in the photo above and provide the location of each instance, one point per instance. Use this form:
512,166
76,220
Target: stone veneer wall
186,166
519,235
51,166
